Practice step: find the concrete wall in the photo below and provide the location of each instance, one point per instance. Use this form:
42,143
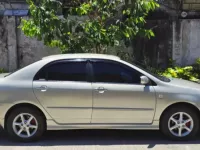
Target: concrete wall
186,41
177,39
156,51
8,43
17,50
3,44
31,50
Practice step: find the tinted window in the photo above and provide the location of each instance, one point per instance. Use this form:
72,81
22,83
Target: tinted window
41,75
115,73
64,71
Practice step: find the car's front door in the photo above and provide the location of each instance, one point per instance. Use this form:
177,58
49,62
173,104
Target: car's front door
63,89
118,96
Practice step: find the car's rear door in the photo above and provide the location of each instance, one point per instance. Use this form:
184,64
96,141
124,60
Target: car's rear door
118,96
64,90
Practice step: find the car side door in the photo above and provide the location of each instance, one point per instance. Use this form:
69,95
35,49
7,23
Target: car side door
64,90
118,96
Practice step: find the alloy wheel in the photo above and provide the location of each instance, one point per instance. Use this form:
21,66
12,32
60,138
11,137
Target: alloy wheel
180,124
25,125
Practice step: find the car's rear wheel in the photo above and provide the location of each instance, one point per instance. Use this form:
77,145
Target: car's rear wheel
25,124
180,123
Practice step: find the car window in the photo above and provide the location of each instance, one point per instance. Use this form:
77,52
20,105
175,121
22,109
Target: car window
111,72
63,71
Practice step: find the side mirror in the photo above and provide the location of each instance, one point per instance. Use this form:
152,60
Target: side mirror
144,80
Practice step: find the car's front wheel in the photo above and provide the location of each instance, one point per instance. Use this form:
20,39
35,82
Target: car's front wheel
25,124
180,123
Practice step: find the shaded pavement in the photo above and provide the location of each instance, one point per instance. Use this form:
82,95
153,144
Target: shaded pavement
100,139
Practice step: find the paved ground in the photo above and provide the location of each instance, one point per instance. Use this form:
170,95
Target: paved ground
100,140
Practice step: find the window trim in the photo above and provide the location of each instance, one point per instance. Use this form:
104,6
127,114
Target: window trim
88,76
117,63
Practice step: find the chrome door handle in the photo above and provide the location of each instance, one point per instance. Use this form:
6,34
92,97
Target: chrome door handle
42,88
101,90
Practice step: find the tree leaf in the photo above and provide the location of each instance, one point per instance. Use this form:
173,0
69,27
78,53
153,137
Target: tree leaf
89,24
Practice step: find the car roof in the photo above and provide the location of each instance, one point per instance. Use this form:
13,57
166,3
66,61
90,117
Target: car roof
85,55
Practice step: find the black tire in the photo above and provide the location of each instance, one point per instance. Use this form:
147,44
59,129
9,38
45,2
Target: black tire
38,116
166,116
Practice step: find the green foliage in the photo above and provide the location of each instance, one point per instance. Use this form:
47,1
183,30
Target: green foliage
196,67
89,26
2,70
191,73
181,72
198,61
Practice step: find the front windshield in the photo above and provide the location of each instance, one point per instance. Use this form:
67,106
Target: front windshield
162,78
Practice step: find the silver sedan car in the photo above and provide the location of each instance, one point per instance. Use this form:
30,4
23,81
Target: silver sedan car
93,91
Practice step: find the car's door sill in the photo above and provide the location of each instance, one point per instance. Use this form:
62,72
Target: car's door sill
51,125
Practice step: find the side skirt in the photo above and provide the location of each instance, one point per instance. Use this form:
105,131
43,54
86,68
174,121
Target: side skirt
51,125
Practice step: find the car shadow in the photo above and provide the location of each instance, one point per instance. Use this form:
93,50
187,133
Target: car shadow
98,137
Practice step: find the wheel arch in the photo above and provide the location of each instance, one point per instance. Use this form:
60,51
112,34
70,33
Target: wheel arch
30,105
190,105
